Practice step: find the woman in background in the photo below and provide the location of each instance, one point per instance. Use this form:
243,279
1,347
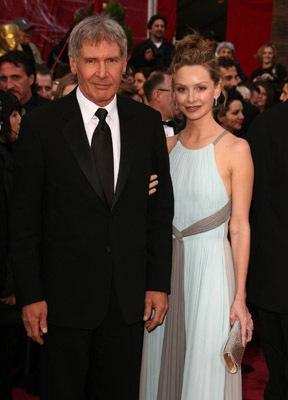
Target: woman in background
269,70
139,79
66,85
230,115
212,175
266,95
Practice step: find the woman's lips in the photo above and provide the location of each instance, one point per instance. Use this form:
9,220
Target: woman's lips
193,109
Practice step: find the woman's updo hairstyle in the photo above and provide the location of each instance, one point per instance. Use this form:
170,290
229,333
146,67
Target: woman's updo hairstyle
193,50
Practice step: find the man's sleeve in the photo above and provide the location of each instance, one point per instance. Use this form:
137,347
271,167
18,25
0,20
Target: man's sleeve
160,215
26,219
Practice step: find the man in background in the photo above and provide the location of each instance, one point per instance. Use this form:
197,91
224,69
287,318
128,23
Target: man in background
156,50
17,76
268,272
25,36
43,81
158,91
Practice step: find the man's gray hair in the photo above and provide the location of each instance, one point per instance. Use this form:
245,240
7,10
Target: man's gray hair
96,29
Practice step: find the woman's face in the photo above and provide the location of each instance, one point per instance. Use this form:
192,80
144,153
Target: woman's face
234,117
195,92
139,80
225,52
15,120
262,98
267,56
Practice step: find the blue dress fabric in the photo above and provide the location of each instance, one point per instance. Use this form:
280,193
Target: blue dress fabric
209,286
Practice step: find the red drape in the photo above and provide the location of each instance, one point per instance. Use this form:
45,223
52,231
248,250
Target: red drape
52,18
98,6
168,8
248,27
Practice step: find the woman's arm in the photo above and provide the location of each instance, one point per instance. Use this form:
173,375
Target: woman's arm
242,173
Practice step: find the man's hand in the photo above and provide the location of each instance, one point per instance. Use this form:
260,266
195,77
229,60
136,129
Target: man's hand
34,317
10,300
157,301
148,55
153,183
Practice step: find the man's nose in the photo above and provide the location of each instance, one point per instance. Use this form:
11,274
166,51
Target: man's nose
101,70
10,83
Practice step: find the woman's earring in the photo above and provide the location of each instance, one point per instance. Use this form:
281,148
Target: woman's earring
215,101
176,106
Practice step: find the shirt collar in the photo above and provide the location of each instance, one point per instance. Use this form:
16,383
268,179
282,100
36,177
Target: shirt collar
88,108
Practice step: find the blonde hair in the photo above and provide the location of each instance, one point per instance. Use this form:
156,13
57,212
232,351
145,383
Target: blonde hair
259,54
193,50
68,79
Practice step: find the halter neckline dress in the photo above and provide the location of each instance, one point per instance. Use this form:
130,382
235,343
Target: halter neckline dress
182,358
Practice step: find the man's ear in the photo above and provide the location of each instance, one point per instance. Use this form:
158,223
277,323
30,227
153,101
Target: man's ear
156,95
31,79
73,65
124,65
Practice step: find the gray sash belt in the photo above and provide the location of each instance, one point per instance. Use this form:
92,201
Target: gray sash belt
174,344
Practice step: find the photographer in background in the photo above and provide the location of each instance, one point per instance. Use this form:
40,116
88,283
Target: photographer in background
156,50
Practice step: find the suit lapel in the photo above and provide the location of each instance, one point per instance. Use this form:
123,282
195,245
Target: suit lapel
75,135
128,143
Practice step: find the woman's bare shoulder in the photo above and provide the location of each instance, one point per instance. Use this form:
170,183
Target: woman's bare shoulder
171,142
236,145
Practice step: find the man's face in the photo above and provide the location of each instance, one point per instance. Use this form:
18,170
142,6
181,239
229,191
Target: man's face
165,98
14,80
44,85
211,44
99,69
284,94
25,36
225,52
157,30
230,77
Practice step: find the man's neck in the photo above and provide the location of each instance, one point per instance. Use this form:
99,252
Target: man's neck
156,40
26,99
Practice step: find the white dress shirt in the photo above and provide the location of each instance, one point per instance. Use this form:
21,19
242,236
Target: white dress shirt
169,131
88,110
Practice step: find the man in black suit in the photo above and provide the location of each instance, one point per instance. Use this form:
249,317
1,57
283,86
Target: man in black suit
91,248
268,272
156,50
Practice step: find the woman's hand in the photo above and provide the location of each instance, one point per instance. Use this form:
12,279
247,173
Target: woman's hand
153,183
240,312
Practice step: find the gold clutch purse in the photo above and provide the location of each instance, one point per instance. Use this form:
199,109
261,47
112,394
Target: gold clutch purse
233,350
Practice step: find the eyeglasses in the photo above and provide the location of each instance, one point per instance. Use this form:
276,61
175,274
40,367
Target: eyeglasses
164,90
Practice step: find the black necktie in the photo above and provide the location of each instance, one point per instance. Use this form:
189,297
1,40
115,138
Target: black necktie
102,151
169,123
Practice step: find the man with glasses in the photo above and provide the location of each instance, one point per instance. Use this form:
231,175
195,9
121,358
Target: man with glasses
158,91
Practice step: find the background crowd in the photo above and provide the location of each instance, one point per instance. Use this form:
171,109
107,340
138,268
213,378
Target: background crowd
26,82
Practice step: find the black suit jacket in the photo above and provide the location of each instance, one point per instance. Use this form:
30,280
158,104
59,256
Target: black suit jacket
268,270
67,243
162,55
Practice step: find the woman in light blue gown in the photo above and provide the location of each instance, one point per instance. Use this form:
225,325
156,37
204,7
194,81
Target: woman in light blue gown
212,175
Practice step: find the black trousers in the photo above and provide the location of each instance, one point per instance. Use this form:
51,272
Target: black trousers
99,364
274,342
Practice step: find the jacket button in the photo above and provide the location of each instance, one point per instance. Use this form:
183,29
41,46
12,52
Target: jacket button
108,248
